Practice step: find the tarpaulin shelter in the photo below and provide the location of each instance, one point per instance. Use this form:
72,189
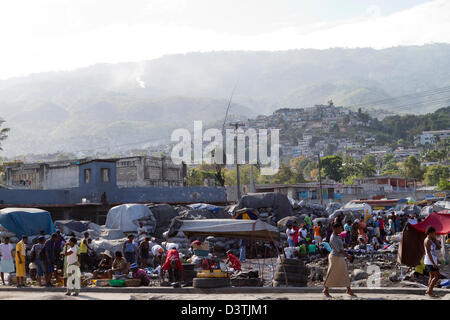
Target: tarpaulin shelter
70,225
205,206
277,201
359,209
246,214
411,249
440,221
125,216
26,221
249,230
231,228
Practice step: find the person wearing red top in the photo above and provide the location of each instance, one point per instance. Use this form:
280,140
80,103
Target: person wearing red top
235,262
381,222
296,229
173,265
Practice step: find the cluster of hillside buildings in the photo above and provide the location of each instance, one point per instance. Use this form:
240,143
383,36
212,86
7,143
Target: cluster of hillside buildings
317,125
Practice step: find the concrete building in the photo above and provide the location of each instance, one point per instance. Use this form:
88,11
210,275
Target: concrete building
137,171
402,153
96,191
383,185
428,137
331,192
144,171
43,176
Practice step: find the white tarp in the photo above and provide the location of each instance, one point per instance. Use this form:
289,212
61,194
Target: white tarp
362,208
231,228
443,204
125,216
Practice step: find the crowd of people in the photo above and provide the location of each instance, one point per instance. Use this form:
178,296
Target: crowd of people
342,237
57,260
52,260
365,234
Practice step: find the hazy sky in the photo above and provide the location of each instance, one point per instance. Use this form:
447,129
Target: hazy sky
46,35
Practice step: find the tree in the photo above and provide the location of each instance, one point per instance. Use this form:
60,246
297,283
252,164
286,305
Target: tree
285,175
387,157
444,184
412,168
194,178
435,173
3,133
369,166
390,168
350,167
332,167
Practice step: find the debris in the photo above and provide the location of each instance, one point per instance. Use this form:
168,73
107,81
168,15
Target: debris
359,274
277,201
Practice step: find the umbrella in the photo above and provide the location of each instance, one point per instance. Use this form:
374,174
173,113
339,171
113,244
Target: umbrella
246,214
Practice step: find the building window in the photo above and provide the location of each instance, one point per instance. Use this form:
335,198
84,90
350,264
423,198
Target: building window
87,176
105,174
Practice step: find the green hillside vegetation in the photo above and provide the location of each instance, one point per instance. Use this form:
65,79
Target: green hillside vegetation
61,110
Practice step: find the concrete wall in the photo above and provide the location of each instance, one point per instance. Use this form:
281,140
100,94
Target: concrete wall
148,171
114,195
34,196
93,190
61,178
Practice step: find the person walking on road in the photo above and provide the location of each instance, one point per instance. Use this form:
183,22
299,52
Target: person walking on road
337,275
7,261
21,249
73,268
431,261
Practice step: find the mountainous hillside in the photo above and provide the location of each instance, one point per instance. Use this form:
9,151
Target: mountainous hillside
115,104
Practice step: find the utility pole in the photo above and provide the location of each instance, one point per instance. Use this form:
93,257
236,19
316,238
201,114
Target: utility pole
252,183
320,181
236,125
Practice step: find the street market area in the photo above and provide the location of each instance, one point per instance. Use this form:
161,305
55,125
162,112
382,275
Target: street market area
265,247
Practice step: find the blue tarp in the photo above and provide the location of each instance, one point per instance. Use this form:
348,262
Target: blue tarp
26,221
205,206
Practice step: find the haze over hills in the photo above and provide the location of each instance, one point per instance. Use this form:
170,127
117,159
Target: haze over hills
115,104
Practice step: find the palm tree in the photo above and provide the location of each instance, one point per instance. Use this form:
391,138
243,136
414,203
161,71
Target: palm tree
3,133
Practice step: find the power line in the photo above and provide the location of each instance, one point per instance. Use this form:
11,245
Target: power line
432,102
419,95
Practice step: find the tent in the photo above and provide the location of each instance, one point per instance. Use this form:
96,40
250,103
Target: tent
246,214
411,249
125,216
440,221
231,228
26,221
